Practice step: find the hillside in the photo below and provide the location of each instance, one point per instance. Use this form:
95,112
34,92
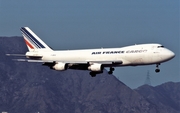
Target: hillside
166,96
30,88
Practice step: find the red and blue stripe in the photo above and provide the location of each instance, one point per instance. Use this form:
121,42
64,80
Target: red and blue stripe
32,40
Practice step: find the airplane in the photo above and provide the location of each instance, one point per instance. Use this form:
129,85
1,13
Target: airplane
94,60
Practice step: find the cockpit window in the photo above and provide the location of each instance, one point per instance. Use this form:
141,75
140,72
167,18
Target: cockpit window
160,46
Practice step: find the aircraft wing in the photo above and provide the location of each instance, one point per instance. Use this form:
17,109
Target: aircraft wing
38,59
71,62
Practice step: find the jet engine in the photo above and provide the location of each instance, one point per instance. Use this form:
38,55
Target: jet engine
96,67
60,66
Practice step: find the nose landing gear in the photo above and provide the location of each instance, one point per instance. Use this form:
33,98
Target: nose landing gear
157,68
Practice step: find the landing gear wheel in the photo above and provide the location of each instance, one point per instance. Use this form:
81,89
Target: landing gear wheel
111,70
157,70
92,74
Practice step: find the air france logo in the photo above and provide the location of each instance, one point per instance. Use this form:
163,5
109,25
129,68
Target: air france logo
108,52
118,52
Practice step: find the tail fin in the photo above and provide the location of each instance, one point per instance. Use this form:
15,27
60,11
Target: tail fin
33,42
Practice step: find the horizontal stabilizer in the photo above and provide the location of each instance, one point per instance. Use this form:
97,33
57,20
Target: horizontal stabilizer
22,55
27,60
16,55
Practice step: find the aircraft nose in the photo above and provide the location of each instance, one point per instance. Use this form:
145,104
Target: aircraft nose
170,54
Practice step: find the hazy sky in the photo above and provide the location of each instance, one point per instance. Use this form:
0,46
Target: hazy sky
76,24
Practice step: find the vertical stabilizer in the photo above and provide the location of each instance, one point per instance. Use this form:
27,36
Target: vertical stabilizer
33,42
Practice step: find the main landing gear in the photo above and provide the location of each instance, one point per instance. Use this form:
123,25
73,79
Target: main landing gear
93,74
111,70
157,68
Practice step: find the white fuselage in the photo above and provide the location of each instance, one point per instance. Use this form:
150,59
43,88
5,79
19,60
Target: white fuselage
143,54
93,60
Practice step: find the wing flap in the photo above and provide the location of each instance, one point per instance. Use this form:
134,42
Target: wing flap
106,62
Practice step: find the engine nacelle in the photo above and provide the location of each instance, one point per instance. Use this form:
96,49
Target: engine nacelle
96,67
60,66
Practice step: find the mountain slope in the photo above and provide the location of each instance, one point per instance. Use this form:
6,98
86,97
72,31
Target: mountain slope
166,96
30,87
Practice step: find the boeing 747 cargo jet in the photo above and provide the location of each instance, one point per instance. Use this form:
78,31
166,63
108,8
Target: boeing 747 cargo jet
94,60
